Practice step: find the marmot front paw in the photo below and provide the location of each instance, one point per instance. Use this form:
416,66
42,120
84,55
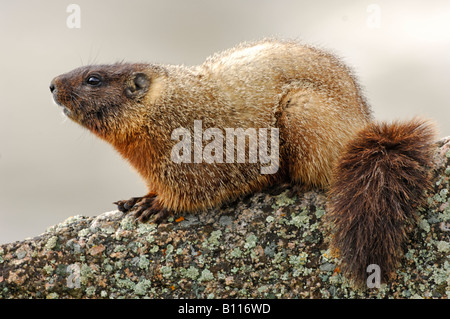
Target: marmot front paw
144,207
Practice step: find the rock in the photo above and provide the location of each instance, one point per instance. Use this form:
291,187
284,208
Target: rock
271,244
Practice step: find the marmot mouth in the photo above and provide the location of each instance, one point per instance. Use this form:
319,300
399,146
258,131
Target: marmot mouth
65,109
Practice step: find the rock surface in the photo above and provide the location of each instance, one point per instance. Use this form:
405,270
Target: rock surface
268,245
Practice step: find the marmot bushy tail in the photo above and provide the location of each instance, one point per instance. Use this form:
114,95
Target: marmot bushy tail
380,180
184,129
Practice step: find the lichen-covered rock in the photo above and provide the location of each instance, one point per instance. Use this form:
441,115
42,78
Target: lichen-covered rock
271,244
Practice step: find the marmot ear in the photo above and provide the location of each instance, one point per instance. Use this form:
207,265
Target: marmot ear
138,85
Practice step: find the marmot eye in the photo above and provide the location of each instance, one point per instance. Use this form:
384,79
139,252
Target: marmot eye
93,80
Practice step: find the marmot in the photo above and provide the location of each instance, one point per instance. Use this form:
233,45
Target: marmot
376,173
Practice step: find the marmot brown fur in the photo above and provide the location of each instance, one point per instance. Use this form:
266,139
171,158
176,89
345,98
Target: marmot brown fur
327,136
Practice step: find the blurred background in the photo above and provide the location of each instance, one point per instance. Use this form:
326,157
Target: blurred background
51,169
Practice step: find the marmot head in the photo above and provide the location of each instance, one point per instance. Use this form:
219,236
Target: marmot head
102,97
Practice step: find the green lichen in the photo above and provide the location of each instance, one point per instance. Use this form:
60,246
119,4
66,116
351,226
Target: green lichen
445,215
150,238
423,223
443,246
74,246
51,243
278,258
410,254
336,279
125,283
319,213
206,275
108,268
145,228
447,170
143,262
84,232
283,200
52,295
86,273
142,286
285,276
90,291
299,260
118,264
236,253
21,253
108,230
300,220
438,198
442,275
133,246
48,269
66,223
250,241
120,248
191,273
213,240
254,255
127,223
263,289
166,271
327,267
154,249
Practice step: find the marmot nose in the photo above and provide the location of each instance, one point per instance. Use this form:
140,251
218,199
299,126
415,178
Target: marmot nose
52,87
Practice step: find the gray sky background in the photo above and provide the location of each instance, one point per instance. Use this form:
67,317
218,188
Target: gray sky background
51,169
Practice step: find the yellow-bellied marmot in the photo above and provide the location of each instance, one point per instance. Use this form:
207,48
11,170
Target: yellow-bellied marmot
376,172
